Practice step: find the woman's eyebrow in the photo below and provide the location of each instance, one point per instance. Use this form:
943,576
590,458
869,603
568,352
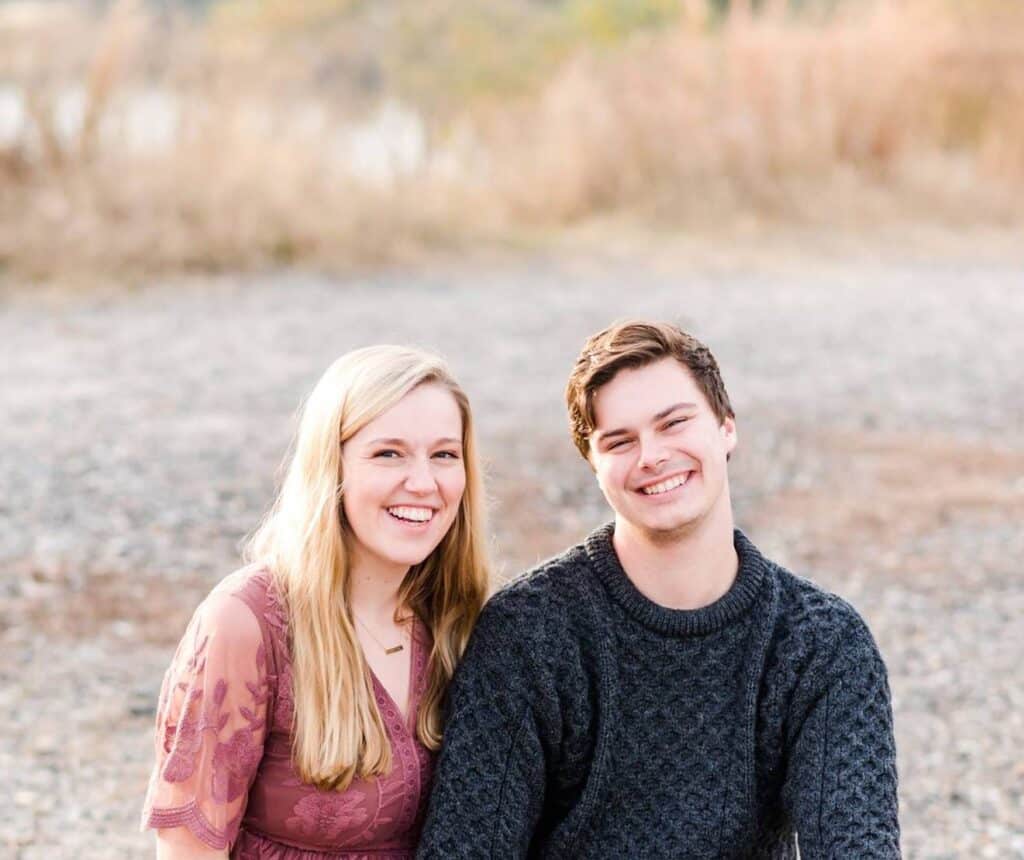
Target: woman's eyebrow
394,440
390,441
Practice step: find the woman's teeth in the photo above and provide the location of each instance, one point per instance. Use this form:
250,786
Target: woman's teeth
665,486
414,515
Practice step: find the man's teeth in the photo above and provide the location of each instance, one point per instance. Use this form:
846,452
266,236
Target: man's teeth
416,515
665,486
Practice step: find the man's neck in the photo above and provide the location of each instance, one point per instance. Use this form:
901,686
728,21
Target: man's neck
688,570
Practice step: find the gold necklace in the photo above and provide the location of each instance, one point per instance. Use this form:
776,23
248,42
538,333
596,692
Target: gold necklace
394,649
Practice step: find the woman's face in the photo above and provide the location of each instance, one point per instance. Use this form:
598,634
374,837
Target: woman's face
403,479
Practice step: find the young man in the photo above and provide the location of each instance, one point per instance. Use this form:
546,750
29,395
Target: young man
662,689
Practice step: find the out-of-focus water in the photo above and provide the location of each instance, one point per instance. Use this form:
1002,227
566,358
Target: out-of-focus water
389,142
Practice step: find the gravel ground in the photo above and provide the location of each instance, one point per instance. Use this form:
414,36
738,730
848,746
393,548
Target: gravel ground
880,409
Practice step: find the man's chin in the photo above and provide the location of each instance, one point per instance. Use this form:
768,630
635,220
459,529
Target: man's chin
676,533
664,530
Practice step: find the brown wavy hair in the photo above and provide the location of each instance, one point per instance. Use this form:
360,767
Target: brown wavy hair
633,344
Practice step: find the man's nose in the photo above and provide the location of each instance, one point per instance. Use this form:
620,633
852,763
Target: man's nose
652,453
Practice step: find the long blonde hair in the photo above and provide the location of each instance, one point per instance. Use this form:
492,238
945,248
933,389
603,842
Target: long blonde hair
338,731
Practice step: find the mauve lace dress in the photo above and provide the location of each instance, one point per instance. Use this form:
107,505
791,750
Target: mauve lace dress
223,744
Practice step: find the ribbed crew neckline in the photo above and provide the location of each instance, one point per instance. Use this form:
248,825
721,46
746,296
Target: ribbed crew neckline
677,622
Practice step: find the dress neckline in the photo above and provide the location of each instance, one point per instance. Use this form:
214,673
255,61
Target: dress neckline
413,685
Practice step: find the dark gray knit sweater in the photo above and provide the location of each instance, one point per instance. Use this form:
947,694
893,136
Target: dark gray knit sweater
588,721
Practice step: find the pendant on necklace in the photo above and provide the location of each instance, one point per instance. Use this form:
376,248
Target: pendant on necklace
394,649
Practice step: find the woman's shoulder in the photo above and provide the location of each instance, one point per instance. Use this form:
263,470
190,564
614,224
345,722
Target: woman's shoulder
249,594
252,579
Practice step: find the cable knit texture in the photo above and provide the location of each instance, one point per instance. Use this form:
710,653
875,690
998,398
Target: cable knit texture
588,721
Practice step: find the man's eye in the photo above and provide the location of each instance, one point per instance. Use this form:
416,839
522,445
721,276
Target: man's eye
618,444
676,421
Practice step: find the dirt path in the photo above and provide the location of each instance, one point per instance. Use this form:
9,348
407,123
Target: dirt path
880,412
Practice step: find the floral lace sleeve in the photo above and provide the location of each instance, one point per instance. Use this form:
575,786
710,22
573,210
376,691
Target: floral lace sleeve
210,725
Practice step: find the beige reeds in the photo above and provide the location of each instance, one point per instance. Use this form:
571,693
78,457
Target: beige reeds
121,35
767,112
764,98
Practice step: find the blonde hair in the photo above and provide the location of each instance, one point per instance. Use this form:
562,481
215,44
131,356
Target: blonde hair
338,731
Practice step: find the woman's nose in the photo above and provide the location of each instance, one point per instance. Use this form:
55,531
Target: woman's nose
420,478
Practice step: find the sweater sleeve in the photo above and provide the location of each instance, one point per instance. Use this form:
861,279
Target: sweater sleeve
840,787
489,786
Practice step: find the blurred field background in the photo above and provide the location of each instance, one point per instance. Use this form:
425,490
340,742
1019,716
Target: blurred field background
202,204
154,137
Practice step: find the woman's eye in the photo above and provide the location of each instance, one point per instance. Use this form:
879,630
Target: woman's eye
447,455
618,444
387,452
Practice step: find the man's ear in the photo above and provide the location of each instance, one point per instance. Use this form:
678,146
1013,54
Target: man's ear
728,430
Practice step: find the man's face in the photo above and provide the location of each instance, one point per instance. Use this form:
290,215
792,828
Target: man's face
659,451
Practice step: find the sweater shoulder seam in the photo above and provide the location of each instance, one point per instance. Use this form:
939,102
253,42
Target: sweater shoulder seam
802,590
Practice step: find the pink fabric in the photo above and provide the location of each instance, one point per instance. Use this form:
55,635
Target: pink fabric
223,744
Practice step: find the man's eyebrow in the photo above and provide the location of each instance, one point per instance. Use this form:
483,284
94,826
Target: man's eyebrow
664,413
605,434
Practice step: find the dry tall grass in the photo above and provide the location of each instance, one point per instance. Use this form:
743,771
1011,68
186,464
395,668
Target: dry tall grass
247,157
781,114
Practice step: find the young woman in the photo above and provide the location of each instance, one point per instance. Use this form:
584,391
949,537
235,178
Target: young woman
300,714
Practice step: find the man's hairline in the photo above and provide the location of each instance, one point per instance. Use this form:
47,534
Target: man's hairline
589,396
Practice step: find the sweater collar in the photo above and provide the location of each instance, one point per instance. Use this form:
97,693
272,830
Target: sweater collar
678,622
